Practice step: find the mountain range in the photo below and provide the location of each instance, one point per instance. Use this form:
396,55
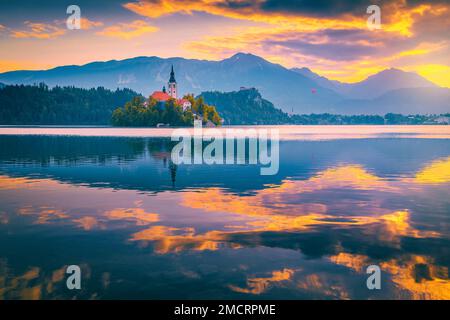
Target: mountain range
297,90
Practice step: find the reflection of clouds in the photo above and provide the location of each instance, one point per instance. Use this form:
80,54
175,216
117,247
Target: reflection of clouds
44,214
323,284
4,219
169,239
51,214
315,283
38,283
389,228
87,223
260,285
347,199
138,215
283,199
31,285
436,172
277,208
10,183
415,276
432,284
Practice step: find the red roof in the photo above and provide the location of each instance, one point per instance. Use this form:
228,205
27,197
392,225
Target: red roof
182,101
160,96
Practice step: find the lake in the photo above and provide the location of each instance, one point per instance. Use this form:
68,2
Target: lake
111,201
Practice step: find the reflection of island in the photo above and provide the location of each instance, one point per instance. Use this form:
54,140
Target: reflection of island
165,156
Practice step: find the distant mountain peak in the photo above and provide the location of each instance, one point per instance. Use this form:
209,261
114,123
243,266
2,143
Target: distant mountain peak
394,72
240,55
246,58
303,69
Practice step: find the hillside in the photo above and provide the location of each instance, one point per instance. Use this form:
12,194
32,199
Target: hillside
245,107
27,105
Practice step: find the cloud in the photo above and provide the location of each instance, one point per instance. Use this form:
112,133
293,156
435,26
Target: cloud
45,30
324,49
38,30
128,31
320,34
87,24
243,10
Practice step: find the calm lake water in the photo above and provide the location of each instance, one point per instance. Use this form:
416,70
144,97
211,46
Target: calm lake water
139,226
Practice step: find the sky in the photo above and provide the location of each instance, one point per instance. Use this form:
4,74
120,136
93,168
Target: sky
331,37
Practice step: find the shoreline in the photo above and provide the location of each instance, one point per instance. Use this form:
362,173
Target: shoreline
286,132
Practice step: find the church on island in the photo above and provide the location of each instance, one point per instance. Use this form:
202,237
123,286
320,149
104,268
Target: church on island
163,96
164,109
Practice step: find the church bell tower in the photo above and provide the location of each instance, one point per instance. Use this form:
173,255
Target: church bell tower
172,85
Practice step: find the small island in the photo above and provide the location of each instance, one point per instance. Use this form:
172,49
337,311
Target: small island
164,109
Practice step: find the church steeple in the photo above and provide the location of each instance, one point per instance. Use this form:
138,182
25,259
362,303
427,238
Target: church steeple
172,85
172,76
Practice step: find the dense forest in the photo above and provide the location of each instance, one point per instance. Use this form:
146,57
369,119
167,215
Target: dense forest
28,105
138,113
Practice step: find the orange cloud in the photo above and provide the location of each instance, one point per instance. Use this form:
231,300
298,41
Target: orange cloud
400,37
87,24
250,12
397,15
128,31
38,31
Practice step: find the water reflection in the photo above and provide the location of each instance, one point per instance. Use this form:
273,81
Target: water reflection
142,227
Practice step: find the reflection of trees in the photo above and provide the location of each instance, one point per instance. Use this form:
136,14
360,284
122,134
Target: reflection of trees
173,172
63,150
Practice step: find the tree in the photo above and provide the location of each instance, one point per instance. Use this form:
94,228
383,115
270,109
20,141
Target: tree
38,104
137,113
